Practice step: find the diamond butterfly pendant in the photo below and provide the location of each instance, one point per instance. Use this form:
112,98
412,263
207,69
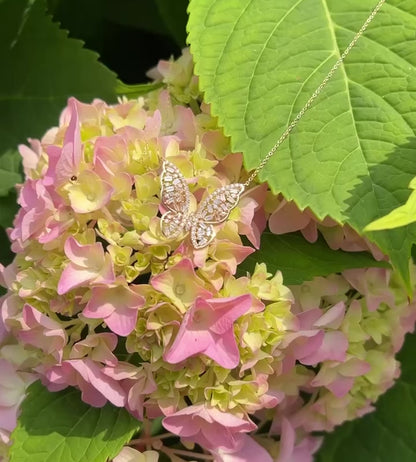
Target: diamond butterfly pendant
213,210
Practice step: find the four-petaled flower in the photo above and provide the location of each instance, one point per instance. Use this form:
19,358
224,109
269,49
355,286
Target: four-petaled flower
181,284
88,263
207,328
117,305
208,426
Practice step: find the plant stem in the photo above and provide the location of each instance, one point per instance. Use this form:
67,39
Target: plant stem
151,438
182,452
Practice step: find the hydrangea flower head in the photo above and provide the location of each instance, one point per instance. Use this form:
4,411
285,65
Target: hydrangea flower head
100,299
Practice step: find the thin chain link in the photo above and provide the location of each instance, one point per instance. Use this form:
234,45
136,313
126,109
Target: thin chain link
315,94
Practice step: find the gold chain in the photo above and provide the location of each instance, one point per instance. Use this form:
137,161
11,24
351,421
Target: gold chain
315,94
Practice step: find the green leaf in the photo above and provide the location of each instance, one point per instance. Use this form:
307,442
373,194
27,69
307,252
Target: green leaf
9,171
387,435
59,427
8,209
352,154
300,261
6,255
175,18
41,68
134,91
142,15
162,17
402,216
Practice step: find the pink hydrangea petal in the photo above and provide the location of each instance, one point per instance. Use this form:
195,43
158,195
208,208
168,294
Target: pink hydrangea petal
333,317
73,134
42,332
208,328
73,277
287,441
231,254
259,224
333,348
3,330
248,450
30,156
185,126
308,318
341,386
53,229
181,423
180,283
92,374
153,125
230,420
128,454
71,154
227,310
12,387
87,263
122,322
209,437
207,425
310,232
110,150
90,396
224,351
89,192
8,417
56,378
304,343
7,274
253,220
287,218
106,274
33,317
98,347
54,153
86,256
187,343
95,309
118,306
304,450
354,367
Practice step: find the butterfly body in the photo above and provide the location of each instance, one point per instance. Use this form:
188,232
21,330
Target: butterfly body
179,220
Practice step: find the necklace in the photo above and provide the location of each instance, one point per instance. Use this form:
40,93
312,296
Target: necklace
216,208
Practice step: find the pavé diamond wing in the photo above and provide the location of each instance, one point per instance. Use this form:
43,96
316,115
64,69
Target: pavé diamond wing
214,210
176,197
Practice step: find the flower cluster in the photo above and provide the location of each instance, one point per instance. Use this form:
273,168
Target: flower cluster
285,217
99,299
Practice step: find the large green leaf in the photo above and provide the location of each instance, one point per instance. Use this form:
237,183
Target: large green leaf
59,427
403,215
301,261
6,255
41,68
8,209
353,153
388,435
9,171
175,17
99,16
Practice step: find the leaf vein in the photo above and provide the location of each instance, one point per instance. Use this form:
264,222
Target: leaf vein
379,44
260,54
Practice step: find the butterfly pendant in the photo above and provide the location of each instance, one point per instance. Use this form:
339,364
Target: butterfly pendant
213,210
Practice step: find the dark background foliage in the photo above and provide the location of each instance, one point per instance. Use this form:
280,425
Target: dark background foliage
129,35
